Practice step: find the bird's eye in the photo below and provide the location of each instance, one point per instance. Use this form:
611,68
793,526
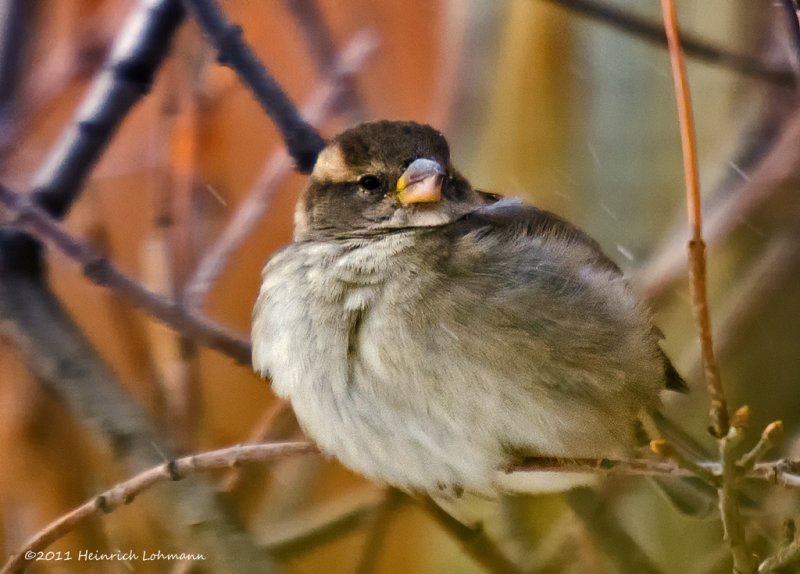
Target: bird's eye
369,182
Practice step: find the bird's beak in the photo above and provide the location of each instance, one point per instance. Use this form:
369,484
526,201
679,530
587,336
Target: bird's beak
421,182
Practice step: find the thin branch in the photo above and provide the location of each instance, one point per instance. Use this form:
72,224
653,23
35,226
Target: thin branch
776,174
316,34
302,140
773,268
379,521
57,73
653,32
138,51
125,492
792,22
318,108
56,350
697,255
744,561
472,539
261,433
606,532
101,271
15,28
320,42
782,472
784,558
326,524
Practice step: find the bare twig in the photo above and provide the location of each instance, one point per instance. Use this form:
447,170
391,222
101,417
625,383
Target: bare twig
744,561
261,433
379,522
327,523
665,449
320,42
302,140
56,350
606,532
473,540
787,556
775,174
773,268
102,272
653,32
124,493
697,256
52,77
138,51
782,472
790,9
321,104
14,38
769,439
316,34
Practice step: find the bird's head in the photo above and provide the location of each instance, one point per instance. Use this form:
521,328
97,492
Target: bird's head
381,176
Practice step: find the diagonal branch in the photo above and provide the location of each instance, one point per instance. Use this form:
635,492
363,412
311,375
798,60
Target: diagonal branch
102,272
140,48
329,521
56,350
473,540
321,104
653,32
124,493
302,140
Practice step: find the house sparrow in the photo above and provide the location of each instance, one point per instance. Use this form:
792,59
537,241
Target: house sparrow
428,334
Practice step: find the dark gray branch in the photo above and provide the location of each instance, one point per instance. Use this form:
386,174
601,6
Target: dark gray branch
317,36
139,50
302,140
58,353
653,31
320,106
15,24
20,251
323,50
790,9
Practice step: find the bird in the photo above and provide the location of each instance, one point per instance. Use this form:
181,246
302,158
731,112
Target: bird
429,335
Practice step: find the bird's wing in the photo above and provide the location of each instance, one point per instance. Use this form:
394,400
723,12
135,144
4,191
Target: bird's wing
521,231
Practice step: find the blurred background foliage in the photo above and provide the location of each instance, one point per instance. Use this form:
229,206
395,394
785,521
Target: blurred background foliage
537,101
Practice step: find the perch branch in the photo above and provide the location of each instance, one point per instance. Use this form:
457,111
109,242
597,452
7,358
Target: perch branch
697,255
125,492
319,107
56,350
302,140
102,272
128,74
378,528
473,540
261,433
779,472
653,32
